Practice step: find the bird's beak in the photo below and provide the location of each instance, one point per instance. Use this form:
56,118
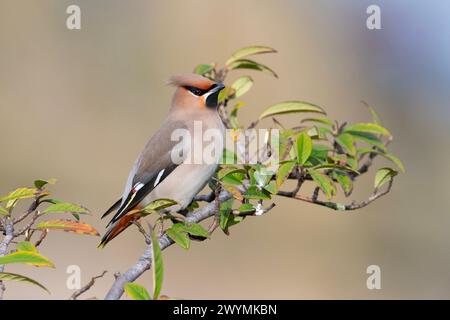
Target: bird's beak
213,95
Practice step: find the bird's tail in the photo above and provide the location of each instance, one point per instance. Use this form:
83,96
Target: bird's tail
117,227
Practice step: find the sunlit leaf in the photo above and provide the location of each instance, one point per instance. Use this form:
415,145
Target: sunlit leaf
194,229
20,193
345,182
284,171
6,276
41,183
304,148
388,156
225,93
251,65
136,291
242,85
335,166
272,187
27,257
26,246
203,69
234,191
290,107
68,226
157,266
248,51
159,204
228,171
383,176
253,192
179,236
322,120
246,208
368,138
368,128
3,211
65,207
323,181
345,140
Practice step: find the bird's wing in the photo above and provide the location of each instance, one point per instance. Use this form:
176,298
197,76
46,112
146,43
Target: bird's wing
153,165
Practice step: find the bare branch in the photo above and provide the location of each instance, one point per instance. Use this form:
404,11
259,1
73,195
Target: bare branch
89,285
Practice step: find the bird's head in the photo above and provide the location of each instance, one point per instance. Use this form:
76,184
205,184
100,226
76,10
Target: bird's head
194,90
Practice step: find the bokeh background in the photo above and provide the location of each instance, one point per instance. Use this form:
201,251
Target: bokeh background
79,105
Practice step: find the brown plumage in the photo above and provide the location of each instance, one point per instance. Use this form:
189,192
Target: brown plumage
155,175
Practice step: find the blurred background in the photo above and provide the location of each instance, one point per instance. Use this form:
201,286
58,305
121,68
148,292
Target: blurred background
78,105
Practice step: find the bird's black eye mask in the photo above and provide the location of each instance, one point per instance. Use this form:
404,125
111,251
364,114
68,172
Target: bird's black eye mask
199,92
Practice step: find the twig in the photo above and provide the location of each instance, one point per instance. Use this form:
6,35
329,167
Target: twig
79,292
9,236
28,225
41,238
348,207
145,261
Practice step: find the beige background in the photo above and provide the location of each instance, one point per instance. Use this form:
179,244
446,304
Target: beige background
79,105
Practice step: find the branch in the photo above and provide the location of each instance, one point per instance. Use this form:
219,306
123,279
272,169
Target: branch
9,235
145,261
89,285
341,207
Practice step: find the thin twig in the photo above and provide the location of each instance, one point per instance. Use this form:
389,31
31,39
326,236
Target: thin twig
348,207
89,285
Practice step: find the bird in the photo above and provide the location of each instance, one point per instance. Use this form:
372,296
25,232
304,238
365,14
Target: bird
157,173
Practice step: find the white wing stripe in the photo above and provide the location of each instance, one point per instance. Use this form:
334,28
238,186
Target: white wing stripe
158,177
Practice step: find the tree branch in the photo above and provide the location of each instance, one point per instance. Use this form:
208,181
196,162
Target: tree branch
89,285
342,207
145,261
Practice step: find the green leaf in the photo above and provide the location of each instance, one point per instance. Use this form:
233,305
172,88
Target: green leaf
335,166
290,107
345,140
136,291
248,51
242,85
322,120
17,277
20,193
68,226
271,187
3,211
203,69
225,214
179,236
368,128
284,171
159,204
345,182
252,65
28,257
368,138
65,207
246,208
323,181
194,229
26,246
157,266
253,192
388,156
384,175
41,183
226,171
225,93
304,148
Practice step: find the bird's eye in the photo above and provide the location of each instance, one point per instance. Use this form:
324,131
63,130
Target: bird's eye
196,91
